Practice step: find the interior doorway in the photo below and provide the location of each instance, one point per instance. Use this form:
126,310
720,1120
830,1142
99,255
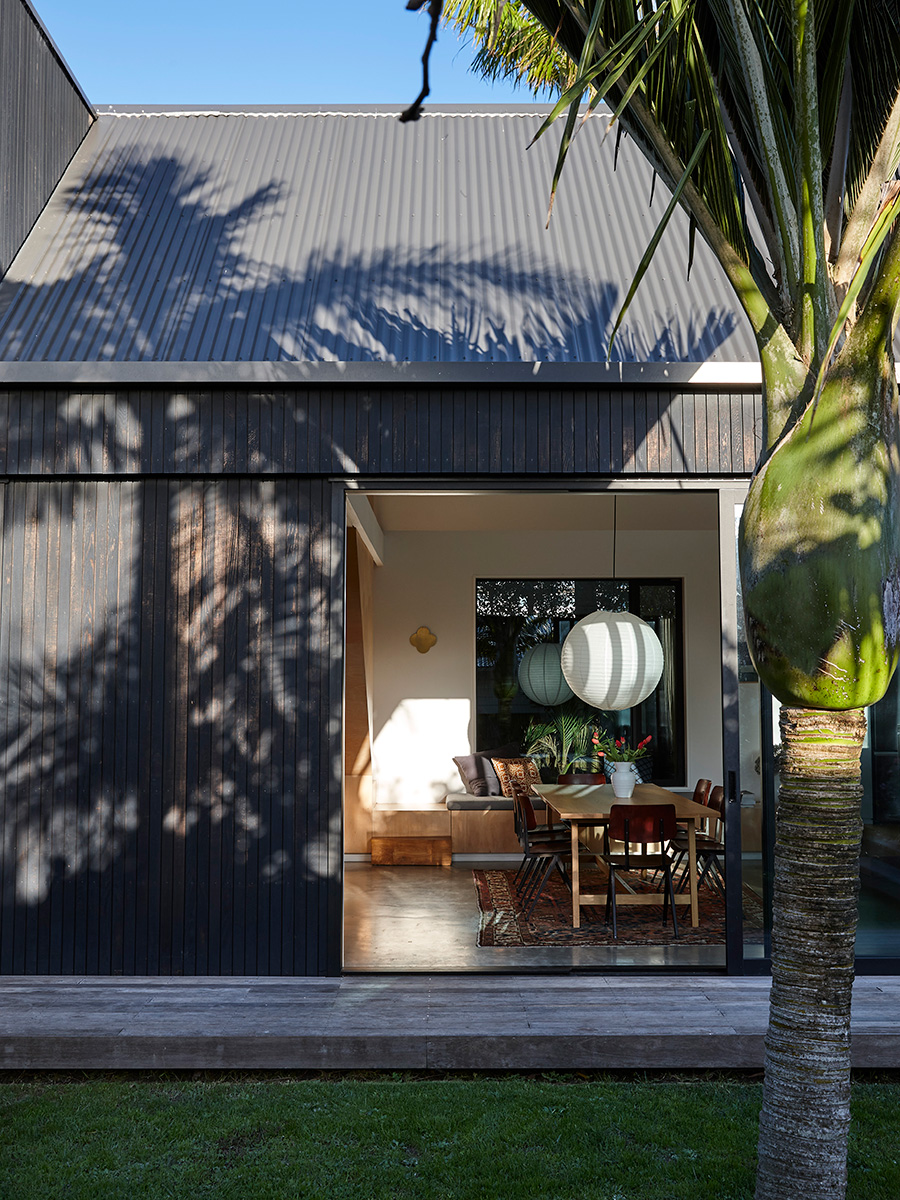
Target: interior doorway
413,562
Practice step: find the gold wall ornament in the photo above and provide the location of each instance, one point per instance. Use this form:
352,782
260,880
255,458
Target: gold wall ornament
423,639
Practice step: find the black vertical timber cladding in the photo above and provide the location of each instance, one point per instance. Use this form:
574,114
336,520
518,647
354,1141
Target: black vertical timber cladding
170,643
167,710
43,118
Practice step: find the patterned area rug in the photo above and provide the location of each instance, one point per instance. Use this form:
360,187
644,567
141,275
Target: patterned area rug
503,923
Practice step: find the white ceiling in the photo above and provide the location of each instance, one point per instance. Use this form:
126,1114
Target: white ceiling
498,511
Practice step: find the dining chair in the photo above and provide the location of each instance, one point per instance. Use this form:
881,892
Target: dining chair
544,855
710,846
538,843
700,795
642,826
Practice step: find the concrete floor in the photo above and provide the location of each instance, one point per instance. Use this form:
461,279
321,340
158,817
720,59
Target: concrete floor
426,919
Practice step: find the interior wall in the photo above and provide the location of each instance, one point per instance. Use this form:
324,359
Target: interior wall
424,703
357,680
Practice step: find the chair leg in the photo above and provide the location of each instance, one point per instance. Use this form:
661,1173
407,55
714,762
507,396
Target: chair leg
552,862
669,896
680,858
543,866
713,868
524,884
611,900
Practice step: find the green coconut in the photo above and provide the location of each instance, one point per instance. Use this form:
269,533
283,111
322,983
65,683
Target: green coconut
819,546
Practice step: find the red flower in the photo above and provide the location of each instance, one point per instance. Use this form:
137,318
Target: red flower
645,742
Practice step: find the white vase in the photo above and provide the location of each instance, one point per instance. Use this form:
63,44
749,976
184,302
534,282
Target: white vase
624,777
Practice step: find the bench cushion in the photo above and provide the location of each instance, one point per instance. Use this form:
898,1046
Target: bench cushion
463,801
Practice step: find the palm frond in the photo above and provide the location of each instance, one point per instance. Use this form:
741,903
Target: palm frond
512,46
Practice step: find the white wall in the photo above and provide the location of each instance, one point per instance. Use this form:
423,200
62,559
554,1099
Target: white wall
424,703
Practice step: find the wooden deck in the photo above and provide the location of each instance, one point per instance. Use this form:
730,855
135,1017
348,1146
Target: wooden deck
437,1022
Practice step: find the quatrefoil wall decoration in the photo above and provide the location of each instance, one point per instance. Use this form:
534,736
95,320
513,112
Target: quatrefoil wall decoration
423,639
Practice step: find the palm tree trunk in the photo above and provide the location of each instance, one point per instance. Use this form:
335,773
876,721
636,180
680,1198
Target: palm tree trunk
806,1099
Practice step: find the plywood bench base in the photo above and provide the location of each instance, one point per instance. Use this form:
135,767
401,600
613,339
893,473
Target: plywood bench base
411,852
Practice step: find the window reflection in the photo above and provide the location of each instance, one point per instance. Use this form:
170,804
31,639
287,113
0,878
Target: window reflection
512,615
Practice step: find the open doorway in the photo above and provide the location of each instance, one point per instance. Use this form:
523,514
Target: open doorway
414,560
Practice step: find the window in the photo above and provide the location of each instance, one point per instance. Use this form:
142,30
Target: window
512,615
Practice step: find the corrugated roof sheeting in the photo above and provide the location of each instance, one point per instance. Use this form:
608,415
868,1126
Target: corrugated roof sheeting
346,236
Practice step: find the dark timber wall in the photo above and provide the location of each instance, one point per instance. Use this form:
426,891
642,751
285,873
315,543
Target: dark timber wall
171,575
43,118
381,431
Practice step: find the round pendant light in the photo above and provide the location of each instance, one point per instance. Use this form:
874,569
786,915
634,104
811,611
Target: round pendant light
612,660
541,677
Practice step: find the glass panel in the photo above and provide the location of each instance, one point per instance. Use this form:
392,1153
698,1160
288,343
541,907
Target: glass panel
878,932
512,615
755,725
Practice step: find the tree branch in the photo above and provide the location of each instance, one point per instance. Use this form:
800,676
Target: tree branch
434,7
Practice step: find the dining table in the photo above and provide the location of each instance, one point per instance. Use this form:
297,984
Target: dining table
585,807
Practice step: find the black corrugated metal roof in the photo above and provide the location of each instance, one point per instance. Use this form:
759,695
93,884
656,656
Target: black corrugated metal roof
299,235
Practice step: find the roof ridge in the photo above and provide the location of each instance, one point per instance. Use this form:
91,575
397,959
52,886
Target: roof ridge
324,112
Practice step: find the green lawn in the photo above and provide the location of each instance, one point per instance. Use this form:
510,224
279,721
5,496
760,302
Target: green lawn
523,1138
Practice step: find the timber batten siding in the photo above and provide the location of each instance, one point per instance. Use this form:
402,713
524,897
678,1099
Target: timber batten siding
380,431
171,641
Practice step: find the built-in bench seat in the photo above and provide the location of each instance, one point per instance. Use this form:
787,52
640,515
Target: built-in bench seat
466,802
482,824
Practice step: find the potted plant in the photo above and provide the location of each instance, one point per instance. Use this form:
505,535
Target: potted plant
622,761
569,739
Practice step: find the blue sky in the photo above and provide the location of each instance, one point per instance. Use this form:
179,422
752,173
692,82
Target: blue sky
267,52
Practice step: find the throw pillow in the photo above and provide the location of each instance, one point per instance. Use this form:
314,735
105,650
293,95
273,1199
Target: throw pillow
520,771
477,772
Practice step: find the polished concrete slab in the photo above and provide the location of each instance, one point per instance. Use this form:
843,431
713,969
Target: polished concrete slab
423,1022
426,919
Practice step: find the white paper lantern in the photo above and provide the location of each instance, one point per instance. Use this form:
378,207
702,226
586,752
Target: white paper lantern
612,660
541,677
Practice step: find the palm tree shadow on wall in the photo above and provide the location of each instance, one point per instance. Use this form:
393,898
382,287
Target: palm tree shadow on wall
165,752
164,782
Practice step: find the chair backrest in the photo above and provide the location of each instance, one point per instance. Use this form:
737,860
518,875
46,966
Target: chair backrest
701,791
717,805
524,809
638,824
582,777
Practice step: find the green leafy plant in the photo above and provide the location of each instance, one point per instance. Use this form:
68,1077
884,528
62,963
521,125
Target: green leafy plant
569,740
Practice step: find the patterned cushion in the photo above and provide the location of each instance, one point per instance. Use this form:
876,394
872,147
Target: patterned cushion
478,775
521,771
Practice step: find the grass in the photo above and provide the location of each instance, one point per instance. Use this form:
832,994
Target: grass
548,1138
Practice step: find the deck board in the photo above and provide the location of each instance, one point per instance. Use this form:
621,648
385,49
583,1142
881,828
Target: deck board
415,1022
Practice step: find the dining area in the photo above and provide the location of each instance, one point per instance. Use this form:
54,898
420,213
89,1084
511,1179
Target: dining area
652,849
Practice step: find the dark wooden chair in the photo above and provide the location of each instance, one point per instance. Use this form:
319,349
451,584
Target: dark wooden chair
590,777
543,855
702,790
710,847
643,826
537,841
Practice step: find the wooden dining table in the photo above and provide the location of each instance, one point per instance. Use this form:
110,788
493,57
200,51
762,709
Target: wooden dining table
586,806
